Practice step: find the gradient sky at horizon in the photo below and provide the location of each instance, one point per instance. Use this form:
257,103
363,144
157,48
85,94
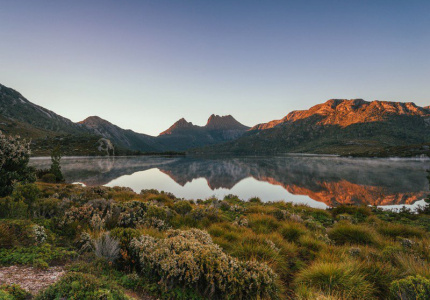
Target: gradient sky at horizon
145,64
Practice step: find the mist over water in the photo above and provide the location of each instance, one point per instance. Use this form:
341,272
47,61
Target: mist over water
313,180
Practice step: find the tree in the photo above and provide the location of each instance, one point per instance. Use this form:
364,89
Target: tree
55,166
14,158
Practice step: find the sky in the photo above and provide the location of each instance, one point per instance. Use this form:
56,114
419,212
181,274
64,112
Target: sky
143,65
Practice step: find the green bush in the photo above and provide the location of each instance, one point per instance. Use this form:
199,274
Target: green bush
28,193
411,288
35,255
15,233
49,178
5,295
125,236
182,207
15,292
77,286
345,233
14,158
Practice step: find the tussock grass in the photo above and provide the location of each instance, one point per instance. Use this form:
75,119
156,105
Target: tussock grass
395,230
292,231
343,278
345,233
263,224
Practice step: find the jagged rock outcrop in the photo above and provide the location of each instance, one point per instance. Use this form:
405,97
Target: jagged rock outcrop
183,135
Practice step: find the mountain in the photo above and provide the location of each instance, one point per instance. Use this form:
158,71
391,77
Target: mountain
15,107
183,135
338,126
180,126
125,138
46,129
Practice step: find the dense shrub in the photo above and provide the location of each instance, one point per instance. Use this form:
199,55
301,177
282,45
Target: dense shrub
77,286
15,292
191,258
49,178
125,236
411,288
344,233
182,207
14,158
42,255
28,193
15,233
4,295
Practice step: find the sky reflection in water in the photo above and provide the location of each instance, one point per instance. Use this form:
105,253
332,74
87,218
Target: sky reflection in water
316,181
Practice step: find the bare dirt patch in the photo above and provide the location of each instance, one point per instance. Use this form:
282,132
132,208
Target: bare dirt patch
31,279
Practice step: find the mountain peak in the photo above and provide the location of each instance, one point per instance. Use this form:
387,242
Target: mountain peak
93,120
178,125
345,112
216,122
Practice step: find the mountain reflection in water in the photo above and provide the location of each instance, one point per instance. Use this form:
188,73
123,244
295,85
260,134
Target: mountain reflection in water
313,180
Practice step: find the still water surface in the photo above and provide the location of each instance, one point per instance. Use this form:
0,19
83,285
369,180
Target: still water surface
315,180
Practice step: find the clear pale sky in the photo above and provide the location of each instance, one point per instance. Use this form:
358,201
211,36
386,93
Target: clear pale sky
145,64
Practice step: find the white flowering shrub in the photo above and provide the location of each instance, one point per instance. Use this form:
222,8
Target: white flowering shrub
191,258
14,157
133,213
242,221
39,234
85,243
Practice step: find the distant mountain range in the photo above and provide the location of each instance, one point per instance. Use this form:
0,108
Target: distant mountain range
338,126
19,116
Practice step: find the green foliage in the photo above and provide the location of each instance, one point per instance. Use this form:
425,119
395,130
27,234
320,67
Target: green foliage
55,165
190,258
49,178
27,193
345,233
395,230
276,250
37,255
77,286
15,292
125,236
358,212
14,158
344,278
292,231
182,207
411,288
15,233
4,295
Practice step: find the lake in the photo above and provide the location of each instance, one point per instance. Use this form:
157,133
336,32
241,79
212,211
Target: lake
318,181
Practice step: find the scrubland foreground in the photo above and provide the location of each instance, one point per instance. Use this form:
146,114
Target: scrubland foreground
113,241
